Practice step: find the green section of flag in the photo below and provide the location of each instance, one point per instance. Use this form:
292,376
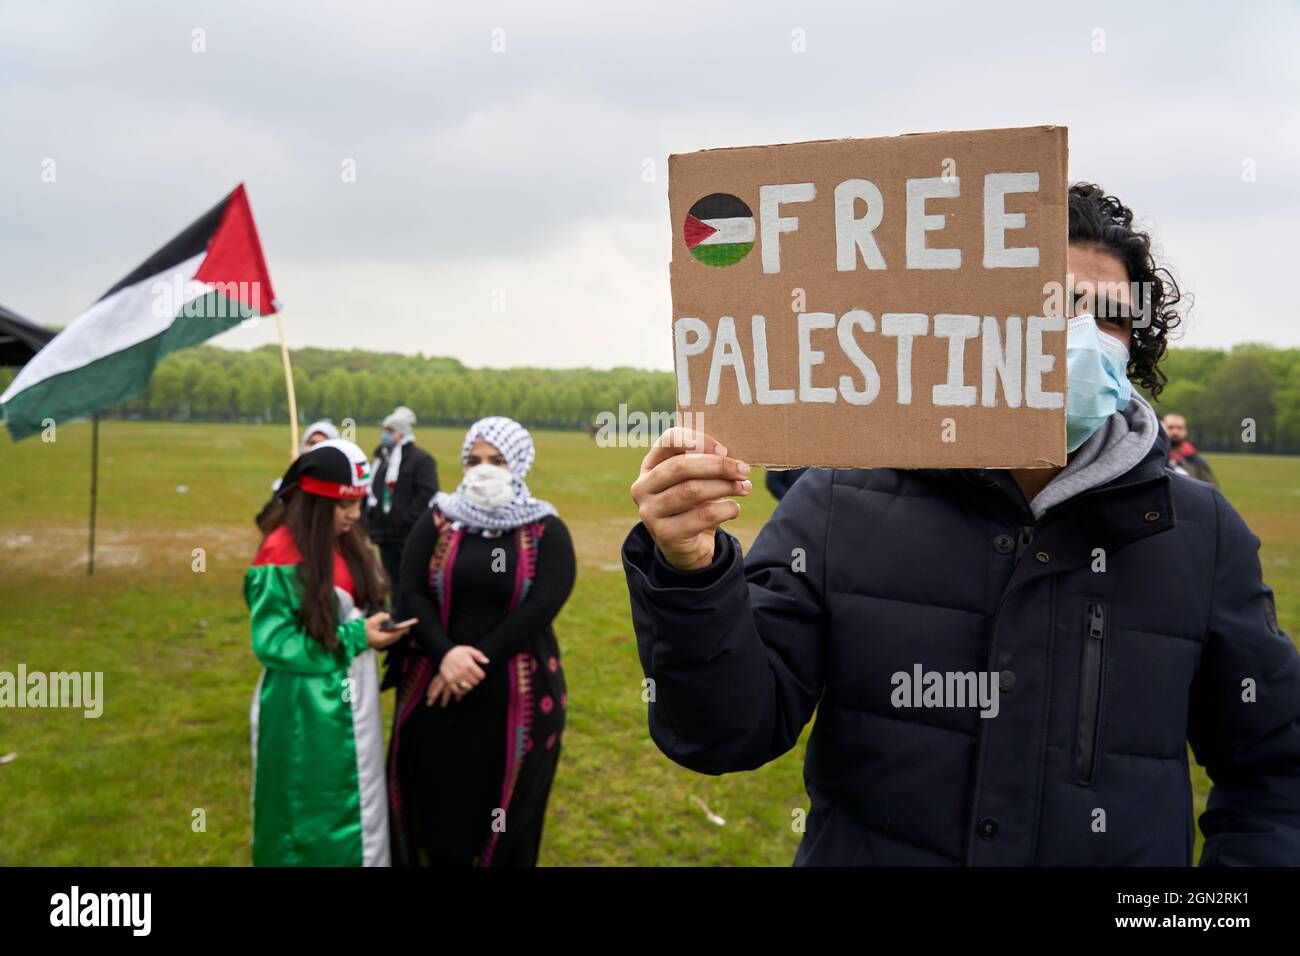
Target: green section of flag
722,253
109,381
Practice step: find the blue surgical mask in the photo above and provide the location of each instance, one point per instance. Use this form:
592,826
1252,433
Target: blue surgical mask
387,440
1098,385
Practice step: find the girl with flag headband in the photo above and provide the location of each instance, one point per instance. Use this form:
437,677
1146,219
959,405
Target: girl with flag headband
481,695
318,775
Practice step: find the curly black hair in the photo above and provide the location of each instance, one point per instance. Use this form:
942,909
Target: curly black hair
1103,221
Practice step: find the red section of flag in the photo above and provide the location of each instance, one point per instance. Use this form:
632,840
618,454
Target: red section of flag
235,256
278,548
696,231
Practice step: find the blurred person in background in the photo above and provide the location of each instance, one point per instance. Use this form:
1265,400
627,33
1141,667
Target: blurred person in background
405,480
1183,456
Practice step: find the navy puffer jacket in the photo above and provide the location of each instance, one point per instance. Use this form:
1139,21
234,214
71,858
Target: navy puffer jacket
1104,676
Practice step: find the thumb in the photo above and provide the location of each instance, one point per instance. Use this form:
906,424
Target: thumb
479,655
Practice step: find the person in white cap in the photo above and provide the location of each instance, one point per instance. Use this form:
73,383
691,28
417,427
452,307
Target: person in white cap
316,432
406,478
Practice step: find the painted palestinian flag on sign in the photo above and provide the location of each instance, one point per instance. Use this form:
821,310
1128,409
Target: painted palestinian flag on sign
719,230
208,279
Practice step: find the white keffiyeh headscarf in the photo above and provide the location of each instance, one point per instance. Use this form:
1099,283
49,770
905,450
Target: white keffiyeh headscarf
323,427
516,446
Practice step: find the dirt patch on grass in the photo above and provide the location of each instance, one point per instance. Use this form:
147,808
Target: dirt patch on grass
62,551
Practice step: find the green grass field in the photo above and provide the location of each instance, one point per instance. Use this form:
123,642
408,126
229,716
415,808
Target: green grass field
178,672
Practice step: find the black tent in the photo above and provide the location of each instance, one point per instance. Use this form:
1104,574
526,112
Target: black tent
19,338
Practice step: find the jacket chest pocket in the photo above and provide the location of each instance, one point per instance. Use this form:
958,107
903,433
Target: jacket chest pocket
1092,670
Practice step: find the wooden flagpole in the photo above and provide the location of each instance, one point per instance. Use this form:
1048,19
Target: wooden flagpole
288,384
94,490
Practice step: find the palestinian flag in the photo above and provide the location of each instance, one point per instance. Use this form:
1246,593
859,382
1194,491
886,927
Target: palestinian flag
719,230
206,280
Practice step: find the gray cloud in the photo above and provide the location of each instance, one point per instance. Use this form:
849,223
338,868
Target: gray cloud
522,170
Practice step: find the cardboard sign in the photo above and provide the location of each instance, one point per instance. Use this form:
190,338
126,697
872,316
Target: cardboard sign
875,302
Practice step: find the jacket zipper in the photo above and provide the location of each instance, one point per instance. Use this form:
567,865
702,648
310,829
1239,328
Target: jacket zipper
1025,539
1090,694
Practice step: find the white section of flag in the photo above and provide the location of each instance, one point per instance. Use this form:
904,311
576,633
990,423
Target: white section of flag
739,229
127,317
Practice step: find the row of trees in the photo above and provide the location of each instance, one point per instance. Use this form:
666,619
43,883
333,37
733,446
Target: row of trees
214,384
1245,400
1222,393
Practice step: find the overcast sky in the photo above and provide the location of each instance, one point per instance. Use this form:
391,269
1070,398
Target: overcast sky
522,170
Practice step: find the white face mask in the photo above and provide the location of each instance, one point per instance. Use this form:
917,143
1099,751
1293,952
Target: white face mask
488,486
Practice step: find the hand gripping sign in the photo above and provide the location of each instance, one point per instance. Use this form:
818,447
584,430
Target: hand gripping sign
875,302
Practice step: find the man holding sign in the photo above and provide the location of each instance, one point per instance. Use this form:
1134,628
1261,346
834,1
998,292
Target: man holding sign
1014,625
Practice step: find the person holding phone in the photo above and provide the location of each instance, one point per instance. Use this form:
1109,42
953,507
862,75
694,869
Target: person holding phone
481,695
319,793
1117,612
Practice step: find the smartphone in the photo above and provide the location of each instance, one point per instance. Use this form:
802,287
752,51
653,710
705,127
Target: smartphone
391,625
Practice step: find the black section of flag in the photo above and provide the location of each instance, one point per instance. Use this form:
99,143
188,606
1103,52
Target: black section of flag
191,241
720,206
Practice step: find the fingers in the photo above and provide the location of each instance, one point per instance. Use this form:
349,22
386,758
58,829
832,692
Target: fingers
470,674
390,637
698,520
378,639
436,687
440,692
684,467
689,494
460,673
698,486
680,441
673,484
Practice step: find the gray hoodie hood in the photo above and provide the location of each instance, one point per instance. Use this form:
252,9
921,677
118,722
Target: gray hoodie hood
1114,449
